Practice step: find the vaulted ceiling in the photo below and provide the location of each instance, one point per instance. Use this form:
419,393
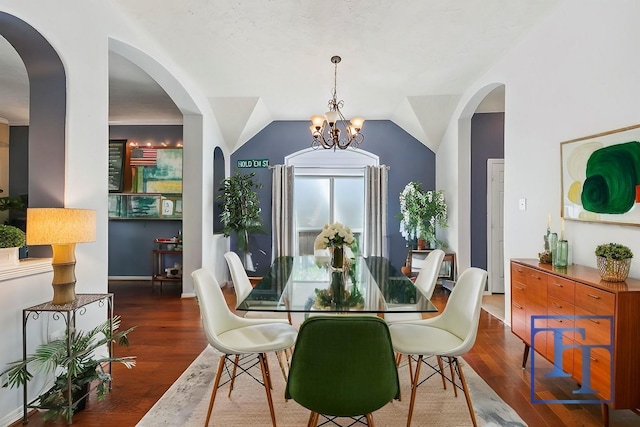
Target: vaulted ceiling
407,61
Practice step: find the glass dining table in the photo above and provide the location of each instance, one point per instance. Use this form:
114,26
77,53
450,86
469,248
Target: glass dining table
306,284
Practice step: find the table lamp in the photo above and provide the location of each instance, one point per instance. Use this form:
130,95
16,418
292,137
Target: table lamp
61,228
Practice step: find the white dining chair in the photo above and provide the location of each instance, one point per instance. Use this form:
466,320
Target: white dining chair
242,287
425,283
450,334
236,336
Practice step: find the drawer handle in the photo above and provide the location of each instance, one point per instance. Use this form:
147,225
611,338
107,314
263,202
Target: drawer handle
518,287
593,296
557,284
517,305
535,277
593,358
556,305
519,270
595,321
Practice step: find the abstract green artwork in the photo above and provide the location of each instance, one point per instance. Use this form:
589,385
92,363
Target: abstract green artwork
601,177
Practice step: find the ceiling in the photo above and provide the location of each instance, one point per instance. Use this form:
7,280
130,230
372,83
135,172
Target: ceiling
256,62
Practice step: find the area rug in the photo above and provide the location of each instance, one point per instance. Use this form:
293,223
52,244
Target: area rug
186,402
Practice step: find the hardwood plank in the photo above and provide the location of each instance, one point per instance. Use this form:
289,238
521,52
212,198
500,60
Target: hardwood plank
169,337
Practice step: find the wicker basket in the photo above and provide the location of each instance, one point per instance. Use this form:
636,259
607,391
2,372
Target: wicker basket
613,270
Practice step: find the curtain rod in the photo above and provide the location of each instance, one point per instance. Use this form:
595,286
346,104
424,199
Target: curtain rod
332,167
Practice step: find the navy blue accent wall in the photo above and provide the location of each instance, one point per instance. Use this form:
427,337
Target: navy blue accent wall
487,142
131,241
218,176
18,160
408,159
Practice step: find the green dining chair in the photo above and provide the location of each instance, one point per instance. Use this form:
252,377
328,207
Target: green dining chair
343,366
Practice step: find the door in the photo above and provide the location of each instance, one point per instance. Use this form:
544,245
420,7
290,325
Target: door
495,226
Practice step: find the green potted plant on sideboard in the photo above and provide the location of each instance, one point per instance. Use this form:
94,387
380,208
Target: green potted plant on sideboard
81,361
613,261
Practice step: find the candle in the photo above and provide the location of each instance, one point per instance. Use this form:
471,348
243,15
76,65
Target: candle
549,221
561,228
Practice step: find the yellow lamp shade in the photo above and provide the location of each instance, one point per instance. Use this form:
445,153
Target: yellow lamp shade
49,226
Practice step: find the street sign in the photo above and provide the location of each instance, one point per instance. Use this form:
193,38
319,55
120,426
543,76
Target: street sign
253,163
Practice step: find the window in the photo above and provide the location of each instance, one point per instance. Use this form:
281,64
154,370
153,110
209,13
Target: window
320,200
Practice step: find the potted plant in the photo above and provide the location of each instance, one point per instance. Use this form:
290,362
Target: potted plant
240,210
613,261
80,361
420,212
11,239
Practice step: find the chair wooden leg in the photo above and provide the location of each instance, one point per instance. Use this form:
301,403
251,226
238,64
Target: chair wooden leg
398,358
266,368
466,392
313,419
267,385
444,383
281,355
414,387
370,420
411,367
216,383
233,373
453,377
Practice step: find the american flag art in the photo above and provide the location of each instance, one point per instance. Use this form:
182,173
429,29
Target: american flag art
144,156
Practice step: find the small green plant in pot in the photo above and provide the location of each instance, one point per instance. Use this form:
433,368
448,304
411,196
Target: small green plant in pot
80,363
11,237
613,261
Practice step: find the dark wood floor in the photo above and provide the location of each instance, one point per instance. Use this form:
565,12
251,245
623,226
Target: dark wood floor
169,337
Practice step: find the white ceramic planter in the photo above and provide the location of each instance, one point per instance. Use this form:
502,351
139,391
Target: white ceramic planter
9,257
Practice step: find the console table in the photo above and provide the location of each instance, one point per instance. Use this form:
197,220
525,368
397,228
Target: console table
448,271
68,313
576,295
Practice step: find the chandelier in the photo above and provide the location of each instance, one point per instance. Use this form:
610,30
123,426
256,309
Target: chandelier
334,137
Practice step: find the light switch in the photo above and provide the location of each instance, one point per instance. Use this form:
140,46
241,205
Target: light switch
522,204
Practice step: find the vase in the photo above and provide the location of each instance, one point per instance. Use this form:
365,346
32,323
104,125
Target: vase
337,257
613,270
560,256
422,244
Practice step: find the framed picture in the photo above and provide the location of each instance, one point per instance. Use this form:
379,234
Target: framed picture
601,177
144,206
171,207
116,164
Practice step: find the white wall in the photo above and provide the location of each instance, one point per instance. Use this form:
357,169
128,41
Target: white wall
82,40
575,76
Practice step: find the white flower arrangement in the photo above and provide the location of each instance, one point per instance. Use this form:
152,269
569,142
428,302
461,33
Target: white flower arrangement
334,234
421,211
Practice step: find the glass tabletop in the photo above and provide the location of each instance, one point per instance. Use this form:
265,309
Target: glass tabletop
308,284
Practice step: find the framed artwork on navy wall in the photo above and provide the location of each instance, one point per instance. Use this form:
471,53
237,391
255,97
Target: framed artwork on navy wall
601,177
116,164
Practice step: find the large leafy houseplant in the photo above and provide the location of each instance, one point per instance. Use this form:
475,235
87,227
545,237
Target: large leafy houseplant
420,212
240,209
80,361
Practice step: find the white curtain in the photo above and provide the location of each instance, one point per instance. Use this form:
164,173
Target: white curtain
375,207
282,212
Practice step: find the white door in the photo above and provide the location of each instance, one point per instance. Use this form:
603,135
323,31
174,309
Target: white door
495,226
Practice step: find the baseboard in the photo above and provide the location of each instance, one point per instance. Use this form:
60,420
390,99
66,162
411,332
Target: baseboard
130,278
12,417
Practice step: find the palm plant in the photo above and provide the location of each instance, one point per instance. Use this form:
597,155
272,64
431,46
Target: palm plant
75,360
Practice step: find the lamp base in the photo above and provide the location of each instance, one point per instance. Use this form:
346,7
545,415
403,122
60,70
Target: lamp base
64,293
64,277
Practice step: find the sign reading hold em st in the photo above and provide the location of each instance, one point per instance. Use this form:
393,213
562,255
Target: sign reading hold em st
253,163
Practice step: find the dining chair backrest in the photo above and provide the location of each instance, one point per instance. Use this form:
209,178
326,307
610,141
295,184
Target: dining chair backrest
343,366
429,271
462,312
215,314
241,283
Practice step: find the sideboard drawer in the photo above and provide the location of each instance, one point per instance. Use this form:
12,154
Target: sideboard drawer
561,288
594,300
596,331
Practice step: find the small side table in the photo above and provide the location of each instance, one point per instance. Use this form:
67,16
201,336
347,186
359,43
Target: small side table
158,264
68,312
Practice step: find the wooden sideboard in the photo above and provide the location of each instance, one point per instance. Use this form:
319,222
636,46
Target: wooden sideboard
539,289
